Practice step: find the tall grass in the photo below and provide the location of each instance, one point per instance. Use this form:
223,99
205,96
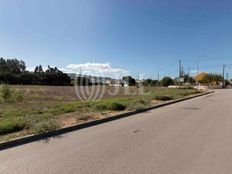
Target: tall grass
11,125
10,95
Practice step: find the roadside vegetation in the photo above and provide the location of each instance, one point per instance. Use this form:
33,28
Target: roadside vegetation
10,95
35,109
30,105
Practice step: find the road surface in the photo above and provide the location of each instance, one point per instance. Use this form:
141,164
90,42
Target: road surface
191,137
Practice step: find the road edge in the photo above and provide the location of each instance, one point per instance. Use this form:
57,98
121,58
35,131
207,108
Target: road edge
37,137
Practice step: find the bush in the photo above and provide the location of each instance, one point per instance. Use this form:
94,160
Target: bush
139,105
117,107
101,107
68,108
45,126
136,107
6,93
9,78
130,80
163,98
111,106
145,102
10,95
27,78
11,125
167,81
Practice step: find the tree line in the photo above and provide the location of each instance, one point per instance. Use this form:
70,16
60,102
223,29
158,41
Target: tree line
13,71
207,79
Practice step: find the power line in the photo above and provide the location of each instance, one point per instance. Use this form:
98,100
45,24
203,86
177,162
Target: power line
165,67
161,69
206,67
207,59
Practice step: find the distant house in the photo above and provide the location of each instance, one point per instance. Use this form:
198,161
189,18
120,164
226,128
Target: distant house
93,79
116,82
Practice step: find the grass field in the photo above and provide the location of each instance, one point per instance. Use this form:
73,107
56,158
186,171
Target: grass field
45,108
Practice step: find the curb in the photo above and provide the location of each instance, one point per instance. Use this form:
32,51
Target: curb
37,137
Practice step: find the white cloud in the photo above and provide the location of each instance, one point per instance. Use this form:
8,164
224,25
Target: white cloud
97,69
31,69
194,71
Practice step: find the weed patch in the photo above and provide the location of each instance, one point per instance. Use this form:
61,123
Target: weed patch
11,125
163,98
45,126
10,95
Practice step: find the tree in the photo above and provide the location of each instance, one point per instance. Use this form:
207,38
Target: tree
13,66
150,82
131,81
39,69
189,79
83,81
27,78
200,76
9,78
13,71
227,83
53,76
166,81
212,79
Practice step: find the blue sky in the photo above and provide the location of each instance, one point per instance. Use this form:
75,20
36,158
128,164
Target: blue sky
134,36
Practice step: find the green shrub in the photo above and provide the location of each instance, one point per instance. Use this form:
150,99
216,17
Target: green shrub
139,105
68,108
17,96
6,93
167,81
101,107
136,107
45,126
145,102
188,87
10,95
117,107
163,98
114,106
11,125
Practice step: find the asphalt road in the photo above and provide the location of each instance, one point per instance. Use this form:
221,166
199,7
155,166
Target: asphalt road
191,137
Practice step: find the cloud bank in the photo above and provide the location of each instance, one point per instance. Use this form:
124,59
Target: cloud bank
96,69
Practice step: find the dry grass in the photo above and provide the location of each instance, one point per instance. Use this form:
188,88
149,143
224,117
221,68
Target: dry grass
46,108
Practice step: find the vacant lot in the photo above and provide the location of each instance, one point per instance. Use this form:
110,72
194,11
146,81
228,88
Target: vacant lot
45,108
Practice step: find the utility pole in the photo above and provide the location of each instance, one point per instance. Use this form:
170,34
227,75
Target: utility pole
158,76
188,74
223,75
138,84
197,83
180,72
227,76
